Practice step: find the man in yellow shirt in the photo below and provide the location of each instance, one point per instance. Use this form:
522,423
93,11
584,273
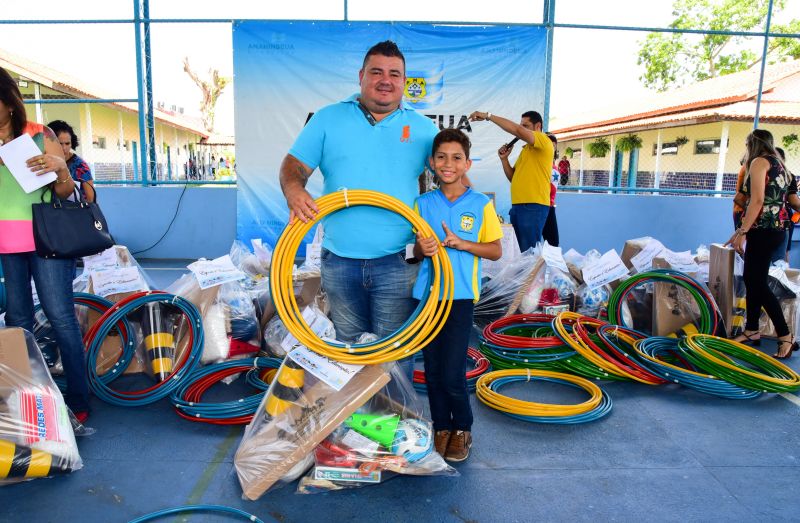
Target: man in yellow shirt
529,176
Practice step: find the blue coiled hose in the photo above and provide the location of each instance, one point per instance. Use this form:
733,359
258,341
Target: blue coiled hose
228,410
654,350
603,408
163,388
222,509
101,305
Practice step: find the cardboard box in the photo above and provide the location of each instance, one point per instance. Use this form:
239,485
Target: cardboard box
15,365
673,307
305,292
631,249
720,281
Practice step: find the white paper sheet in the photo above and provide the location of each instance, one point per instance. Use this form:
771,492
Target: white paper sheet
18,151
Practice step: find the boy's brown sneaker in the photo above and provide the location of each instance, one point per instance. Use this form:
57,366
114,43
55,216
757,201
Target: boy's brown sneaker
441,439
458,448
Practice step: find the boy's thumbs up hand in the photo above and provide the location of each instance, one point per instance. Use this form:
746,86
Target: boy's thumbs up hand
450,240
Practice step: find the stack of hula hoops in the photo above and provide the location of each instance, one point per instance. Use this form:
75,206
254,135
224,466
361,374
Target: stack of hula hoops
533,347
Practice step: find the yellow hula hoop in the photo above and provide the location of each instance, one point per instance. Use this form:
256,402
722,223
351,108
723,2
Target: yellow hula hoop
414,336
510,405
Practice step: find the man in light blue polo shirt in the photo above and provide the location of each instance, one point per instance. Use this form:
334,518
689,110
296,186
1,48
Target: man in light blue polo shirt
372,141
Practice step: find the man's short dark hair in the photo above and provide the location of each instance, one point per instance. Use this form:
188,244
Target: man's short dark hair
451,135
386,48
533,116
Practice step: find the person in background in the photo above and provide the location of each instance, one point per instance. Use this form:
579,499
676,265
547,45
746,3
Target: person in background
372,140
564,170
52,276
550,230
766,186
469,231
78,168
529,176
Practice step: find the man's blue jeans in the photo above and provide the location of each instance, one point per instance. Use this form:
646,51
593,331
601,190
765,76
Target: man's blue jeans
53,279
369,296
528,220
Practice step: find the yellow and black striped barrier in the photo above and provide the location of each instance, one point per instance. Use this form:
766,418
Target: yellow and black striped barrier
19,461
287,389
159,341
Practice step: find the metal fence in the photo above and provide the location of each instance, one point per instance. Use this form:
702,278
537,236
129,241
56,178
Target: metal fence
138,140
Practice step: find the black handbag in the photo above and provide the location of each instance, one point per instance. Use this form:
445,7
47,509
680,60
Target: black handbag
69,229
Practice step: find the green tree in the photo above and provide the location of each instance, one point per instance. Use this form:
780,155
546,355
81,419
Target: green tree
674,59
211,88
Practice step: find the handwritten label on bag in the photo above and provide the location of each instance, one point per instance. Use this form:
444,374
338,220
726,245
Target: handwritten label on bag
605,270
117,281
553,258
215,272
680,261
107,259
316,321
333,373
643,261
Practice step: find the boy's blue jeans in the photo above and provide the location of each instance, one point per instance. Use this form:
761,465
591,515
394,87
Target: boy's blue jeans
53,279
369,296
446,368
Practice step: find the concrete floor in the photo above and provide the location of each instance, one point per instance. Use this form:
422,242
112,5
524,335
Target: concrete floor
662,454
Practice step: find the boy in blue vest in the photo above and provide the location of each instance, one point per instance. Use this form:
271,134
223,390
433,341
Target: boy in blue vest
466,224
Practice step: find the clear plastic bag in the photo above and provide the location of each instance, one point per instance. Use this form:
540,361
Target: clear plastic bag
36,437
498,293
592,302
387,436
255,266
230,324
702,258
280,341
785,285
300,409
550,291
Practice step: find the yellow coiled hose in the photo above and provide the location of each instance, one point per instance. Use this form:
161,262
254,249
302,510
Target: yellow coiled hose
486,394
413,336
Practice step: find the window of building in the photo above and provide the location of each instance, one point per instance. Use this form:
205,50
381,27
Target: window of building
706,147
666,148
99,142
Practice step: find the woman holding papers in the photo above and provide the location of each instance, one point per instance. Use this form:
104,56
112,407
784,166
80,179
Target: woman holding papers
53,277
